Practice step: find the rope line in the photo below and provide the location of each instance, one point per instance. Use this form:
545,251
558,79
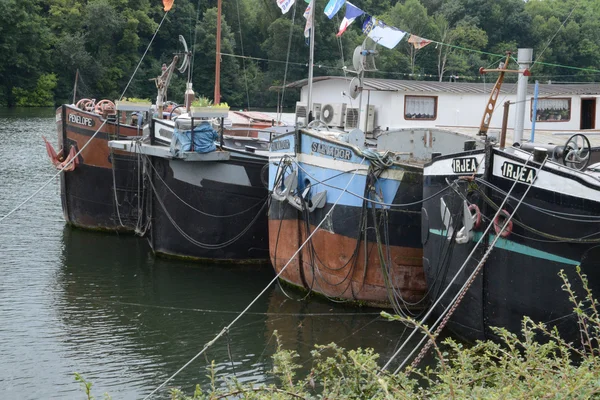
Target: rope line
225,329
556,33
143,55
206,246
380,203
453,305
450,284
262,201
213,311
237,4
54,176
287,62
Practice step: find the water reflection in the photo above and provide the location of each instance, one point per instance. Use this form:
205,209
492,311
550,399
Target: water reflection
102,305
157,313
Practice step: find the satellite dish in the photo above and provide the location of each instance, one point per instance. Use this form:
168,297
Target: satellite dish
357,60
368,54
363,58
355,87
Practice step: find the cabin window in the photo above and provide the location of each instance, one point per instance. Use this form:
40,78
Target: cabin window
420,107
552,110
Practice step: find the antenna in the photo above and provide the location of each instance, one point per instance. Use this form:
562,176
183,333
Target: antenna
186,56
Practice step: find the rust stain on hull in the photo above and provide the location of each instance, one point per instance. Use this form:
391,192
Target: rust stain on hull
332,269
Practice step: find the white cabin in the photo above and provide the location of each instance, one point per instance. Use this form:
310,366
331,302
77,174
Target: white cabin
398,103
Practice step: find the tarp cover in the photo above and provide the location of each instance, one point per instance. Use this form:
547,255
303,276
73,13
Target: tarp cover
204,139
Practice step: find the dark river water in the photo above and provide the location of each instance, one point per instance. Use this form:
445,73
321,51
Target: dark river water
103,306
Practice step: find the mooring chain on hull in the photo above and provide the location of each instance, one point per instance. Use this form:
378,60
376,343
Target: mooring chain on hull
112,168
55,175
241,314
379,203
141,200
284,164
378,164
447,313
552,238
555,214
262,201
445,291
206,246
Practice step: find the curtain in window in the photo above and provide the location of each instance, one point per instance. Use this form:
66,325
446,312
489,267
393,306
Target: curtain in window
553,110
553,104
420,107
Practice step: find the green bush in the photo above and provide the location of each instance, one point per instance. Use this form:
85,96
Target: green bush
41,96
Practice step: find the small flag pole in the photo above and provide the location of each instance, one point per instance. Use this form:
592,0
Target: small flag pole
311,61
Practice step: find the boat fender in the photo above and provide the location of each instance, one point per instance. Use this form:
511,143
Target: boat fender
477,216
499,222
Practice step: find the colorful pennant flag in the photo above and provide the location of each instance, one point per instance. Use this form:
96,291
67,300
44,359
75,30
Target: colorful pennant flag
285,5
333,7
168,4
309,21
382,34
418,42
352,12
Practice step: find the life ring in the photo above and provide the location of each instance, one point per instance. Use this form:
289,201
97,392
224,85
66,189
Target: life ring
498,224
477,222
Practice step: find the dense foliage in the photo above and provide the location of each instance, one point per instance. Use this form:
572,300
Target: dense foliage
44,42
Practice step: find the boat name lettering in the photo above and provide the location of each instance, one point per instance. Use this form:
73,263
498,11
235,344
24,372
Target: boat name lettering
332,151
78,119
518,172
280,145
464,165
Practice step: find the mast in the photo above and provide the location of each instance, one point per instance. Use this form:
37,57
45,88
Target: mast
217,98
310,63
524,58
75,87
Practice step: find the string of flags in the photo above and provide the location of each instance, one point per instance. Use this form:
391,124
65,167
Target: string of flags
381,33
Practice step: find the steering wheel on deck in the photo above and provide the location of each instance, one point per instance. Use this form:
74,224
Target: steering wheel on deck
314,122
576,153
173,110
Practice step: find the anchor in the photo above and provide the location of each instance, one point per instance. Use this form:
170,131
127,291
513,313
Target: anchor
470,221
290,184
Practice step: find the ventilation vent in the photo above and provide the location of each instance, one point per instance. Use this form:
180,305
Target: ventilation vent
351,120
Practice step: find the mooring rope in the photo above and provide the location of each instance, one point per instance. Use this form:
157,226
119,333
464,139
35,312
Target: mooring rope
454,278
445,316
226,329
54,176
143,55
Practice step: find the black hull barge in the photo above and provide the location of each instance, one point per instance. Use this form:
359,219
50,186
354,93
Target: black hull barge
99,189
555,228
205,206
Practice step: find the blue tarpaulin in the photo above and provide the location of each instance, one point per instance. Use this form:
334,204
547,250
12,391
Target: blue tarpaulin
204,139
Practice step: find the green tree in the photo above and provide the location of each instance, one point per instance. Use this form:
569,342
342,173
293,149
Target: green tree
24,44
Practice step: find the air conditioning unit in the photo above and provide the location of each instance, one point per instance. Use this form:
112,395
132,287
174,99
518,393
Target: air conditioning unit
301,113
367,118
333,114
316,109
351,120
